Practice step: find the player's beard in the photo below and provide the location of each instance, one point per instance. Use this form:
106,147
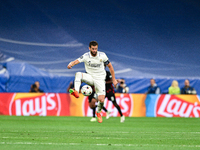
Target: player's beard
93,53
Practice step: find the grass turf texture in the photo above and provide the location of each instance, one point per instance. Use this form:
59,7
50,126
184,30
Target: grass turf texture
60,133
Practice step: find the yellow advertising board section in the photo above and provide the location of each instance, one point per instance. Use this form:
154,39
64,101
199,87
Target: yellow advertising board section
76,105
139,108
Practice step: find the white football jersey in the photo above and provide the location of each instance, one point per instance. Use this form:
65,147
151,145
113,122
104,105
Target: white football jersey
94,65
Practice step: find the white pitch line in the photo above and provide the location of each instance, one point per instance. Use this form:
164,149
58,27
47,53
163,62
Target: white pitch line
159,138
100,144
22,137
109,132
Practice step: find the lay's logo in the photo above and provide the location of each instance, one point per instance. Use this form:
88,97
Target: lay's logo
125,102
35,104
178,106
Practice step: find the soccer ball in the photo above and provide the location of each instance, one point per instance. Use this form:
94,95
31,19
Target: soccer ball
86,90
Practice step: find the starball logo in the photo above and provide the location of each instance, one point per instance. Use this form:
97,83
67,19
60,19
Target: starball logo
123,100
35,104
173,106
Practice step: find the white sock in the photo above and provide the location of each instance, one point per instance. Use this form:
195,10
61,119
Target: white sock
77,81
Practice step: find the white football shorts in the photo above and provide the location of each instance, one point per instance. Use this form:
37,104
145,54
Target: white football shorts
99,84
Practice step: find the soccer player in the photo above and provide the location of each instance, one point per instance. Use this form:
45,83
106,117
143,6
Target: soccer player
110,94
94,61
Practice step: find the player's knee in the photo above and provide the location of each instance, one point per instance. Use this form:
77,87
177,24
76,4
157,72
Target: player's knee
92,105
101,98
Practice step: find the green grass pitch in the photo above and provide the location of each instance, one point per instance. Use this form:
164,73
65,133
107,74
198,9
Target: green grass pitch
60,133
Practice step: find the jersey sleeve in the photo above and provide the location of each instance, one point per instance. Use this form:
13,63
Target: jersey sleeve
105,59
82,58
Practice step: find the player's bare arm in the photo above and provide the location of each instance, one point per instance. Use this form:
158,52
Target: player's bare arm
71,64
113,74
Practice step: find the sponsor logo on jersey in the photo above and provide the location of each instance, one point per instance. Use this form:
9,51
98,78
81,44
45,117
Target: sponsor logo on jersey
94,64
40,104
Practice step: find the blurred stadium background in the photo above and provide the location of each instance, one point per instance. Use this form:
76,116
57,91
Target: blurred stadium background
143,39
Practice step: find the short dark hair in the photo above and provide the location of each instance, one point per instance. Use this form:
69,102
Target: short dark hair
93,43
34,86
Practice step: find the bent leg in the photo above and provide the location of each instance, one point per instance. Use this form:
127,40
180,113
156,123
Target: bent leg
118,108
111,97
77,81
82,77
93,107
92,103
100,90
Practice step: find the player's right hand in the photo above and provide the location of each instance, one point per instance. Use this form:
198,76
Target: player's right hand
69,66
